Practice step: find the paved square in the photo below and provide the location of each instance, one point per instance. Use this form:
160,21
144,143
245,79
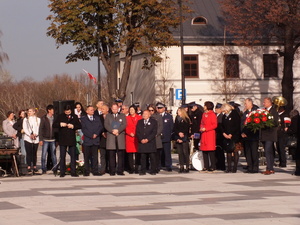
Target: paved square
167,198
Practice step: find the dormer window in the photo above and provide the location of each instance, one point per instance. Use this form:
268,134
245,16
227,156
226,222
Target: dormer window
200,20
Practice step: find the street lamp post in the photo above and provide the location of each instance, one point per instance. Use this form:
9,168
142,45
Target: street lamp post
182,54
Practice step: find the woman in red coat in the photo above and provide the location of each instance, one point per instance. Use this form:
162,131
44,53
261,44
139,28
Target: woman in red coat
208,137
131,139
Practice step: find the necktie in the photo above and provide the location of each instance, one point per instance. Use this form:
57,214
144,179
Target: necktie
145,122
91,118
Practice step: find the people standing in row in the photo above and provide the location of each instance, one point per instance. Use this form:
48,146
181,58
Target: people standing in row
195,117
220,157
166,136
208,136
250,138
131,139
18,125
231,132
115,124
8,128
146,131
160,124
181,132
67,123
31,126
47,138
91,129
269,136
104,157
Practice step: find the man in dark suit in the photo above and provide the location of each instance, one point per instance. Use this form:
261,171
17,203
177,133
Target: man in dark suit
99,105
146,131
220,157
251,139
166,135
269,137
91,129
282,136
115,124
67,124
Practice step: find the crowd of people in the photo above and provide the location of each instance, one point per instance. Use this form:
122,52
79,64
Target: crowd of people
136,141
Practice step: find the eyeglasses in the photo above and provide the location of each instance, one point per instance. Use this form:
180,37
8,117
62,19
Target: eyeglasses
151,110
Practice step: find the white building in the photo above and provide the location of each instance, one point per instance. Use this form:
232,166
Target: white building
215,69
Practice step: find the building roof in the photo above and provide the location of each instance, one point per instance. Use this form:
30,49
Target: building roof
212,32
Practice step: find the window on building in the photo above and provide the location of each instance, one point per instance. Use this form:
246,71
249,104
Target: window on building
232,66
200,20
191,66
270,65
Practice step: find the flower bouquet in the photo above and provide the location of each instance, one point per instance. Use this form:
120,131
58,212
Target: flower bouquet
79,167
259,119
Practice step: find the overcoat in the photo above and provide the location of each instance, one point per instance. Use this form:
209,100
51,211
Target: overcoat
131,142
167,127
110,123
231,124
160,125
270,134
149,132
89,128
67,136
208,137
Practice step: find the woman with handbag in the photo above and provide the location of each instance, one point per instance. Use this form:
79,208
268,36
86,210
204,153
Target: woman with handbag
231,132
293,132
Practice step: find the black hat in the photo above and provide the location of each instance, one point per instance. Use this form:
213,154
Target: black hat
137,104
218,105
191,104
234,104
118,100
160,105
184,105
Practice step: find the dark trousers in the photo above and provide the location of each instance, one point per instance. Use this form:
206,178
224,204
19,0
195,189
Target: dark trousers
158,158
104,160
269,152
196,144
31,153
184,154
209,155
220,158
252,156
112,161
152,157
90,157
131,162
72,153
280,145
167,155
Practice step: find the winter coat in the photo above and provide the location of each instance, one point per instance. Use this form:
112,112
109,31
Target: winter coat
149,132
131,142
208,137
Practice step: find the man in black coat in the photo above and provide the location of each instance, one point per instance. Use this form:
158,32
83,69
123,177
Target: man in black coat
251,139
282,136
269,136
91,129
146,131
195,116
67,124
220,157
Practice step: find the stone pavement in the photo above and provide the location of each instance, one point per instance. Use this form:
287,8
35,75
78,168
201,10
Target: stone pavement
167,198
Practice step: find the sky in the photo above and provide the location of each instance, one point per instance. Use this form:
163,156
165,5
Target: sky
31,52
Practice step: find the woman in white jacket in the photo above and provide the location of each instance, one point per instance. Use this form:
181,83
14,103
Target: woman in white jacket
31,126
8,129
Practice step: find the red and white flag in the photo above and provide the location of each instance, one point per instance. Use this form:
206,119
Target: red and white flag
90,76
287,120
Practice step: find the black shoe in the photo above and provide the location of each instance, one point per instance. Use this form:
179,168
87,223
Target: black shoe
55,172
227,171
142,173
169,169
29,170
153,173
86,174
121,174
35,170
186,171
62,175
211,170
44,172
74,175
97,174
112,174
102,172
130,171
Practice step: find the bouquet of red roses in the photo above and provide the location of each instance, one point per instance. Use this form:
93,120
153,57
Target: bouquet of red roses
259,119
